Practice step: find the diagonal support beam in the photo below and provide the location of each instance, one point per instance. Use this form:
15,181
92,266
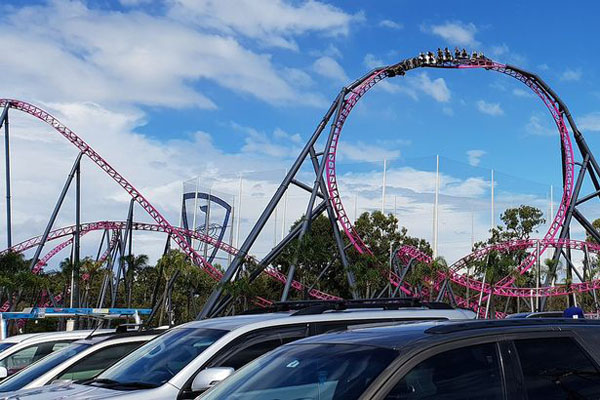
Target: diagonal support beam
57,207
589,227
4,121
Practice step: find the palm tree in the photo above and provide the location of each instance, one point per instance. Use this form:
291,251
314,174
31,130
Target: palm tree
134,263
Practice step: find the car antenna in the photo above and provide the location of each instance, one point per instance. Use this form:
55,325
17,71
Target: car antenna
88,337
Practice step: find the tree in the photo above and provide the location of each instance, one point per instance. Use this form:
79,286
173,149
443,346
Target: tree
187,280
518,224
311,256
134,264
318,252
596,225
425,275
381,235
16,281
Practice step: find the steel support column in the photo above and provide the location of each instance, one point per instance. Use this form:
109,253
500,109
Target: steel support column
122,251
54,214
4,120
77,238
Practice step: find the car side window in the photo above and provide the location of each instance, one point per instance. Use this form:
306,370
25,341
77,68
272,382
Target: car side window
90,366
30,354
471,372
251,346
557,368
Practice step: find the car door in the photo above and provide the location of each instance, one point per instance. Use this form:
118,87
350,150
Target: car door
458,371
556,368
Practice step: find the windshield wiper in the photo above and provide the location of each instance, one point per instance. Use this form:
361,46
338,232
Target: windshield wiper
136,385
95,380
110,383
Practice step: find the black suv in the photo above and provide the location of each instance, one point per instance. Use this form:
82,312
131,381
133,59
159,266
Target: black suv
502,359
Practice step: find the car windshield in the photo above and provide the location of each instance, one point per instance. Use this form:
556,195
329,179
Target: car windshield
158,360
307,371
34,371
5,345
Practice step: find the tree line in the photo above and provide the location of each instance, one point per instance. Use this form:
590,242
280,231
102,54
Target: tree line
180,288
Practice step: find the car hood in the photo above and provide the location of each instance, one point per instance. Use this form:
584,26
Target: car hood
59,391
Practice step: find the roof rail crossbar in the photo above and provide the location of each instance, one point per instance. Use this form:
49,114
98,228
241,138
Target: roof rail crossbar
307,308
502,323
310,307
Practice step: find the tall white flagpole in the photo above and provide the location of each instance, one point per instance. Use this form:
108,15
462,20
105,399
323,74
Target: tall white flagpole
239,214
551,201
435,206
195,208
383,187
492,214
285,200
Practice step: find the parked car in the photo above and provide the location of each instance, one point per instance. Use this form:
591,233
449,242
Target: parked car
537,314
502,359
81,360
23,350
187,360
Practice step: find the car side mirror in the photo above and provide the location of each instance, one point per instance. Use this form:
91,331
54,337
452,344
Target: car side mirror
62,381
210,377
3,372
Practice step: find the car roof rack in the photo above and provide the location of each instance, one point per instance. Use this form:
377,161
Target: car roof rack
312,307
452,327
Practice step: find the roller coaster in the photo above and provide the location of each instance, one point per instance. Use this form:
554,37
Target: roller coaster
578,164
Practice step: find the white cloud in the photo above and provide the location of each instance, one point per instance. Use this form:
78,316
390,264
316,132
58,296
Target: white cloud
539,126
435,88
474,157
449,111
455,33
329,68
298,77
571,74
388,23
370,61
589,122
411,85
280,144
522,93
281,134
493,109
500,49
361,151
273,22
129,58
133,3
329,51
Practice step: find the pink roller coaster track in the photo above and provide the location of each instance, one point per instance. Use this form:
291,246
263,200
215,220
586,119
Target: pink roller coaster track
161,225
503,286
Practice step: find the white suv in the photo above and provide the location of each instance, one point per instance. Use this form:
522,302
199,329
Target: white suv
189,359
82,359
20,351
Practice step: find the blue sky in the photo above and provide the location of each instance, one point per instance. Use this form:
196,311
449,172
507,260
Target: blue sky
171,89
